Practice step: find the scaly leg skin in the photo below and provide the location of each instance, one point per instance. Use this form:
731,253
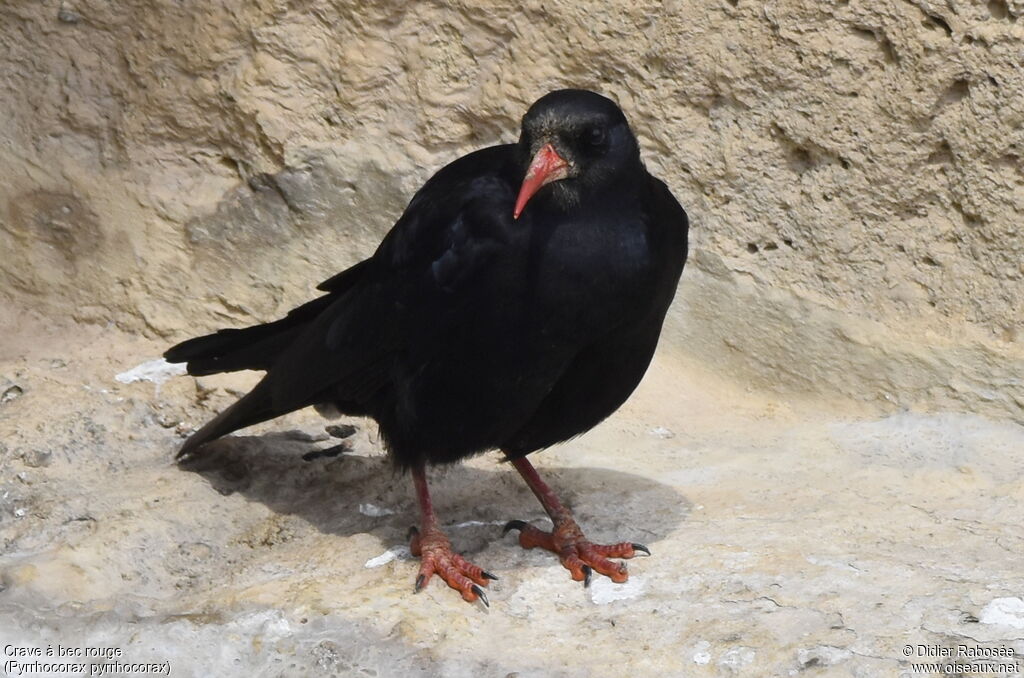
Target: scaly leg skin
434,550
577,555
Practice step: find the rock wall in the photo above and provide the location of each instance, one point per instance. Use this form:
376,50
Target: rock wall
853,170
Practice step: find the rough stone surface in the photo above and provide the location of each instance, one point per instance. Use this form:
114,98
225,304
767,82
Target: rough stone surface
787,538
853,169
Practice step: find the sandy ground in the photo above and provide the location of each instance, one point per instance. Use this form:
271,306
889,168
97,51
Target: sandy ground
788,538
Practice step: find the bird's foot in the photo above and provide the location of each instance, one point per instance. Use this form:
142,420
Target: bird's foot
578,555
436,557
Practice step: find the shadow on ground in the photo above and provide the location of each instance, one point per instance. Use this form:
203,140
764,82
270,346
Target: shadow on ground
349,493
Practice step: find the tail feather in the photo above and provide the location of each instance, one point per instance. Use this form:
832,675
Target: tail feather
250,348
256,348
252,408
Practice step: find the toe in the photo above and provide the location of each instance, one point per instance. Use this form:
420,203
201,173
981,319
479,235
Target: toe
468,569
577,568
461,583
457,572
532,537
621,550
617,572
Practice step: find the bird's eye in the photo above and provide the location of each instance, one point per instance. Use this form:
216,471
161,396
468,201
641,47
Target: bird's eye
594,136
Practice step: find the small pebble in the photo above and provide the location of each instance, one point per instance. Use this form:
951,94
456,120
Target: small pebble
37,458
168,420
66,16
341,430
9,391
304,436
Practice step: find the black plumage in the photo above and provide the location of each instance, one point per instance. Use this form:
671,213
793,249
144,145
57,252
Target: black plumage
482,321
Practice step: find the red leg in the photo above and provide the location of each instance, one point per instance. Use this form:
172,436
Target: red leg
434,550
577,555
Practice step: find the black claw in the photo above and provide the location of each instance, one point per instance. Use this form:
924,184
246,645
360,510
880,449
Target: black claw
513,525
413,531
588,573
480,594
419,584
488,575
640,547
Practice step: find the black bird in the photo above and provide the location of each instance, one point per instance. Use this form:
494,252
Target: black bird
515,304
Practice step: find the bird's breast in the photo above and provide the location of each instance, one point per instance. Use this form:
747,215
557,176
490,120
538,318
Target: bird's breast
594,275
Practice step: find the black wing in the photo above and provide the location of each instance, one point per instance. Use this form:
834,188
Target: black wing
415,284
343,345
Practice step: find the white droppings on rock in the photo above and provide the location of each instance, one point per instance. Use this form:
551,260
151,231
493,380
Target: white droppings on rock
662,432
1005,612
399,552
604,590
156,371
737,657
702,656
375,511
478,523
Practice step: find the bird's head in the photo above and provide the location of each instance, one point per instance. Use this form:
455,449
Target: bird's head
576,141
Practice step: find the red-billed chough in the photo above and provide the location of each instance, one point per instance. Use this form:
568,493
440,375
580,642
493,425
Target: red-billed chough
515,304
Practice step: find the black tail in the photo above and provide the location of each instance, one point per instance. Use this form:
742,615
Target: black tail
254,348
251,409
257,347
251,348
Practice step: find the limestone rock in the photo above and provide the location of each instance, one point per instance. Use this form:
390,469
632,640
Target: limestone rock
853,170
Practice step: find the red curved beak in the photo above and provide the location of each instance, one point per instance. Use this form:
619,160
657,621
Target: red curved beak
546,166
